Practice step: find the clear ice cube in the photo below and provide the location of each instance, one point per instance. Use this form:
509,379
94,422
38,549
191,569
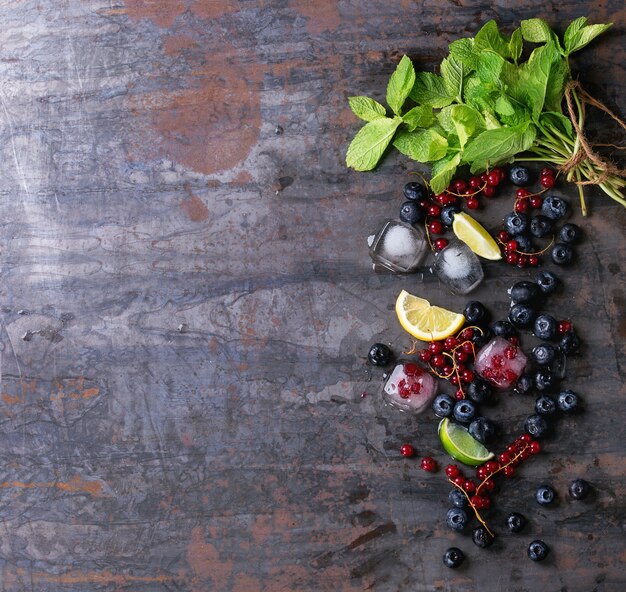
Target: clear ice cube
398,247
500,363
458,267
409,388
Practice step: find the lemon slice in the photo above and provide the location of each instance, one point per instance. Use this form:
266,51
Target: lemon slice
475,236
461,445
426,322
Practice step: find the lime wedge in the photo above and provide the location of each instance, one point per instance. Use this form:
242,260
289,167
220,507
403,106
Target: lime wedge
460,444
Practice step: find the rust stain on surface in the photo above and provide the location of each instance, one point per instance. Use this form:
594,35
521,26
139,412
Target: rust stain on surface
213,8
161,12
206,562
100,577
193,207
322,15
74,485
175,44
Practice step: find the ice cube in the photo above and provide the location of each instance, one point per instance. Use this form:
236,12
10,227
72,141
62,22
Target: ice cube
409,388
458,267
398,247
500,362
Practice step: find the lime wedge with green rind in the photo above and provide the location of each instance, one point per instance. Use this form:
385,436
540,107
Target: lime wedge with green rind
461,445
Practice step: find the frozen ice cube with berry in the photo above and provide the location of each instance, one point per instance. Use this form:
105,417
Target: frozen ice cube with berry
409,387
500,363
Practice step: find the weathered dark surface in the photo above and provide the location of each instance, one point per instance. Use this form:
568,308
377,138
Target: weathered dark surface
187,301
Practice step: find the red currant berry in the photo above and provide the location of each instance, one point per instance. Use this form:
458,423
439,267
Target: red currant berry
526,438
460,355
459,185
512,258
483,177
425,355
521,206
547,182
410,369
514,340
504,458
454,379
536,202
472,203
447,371
493,179
468,348
437,361
534,447
429,464
450,343
434,210
492,466
489,191
407,450
441,196
459,395
564,327
466,334
521,193
452,471
467,376
503,236
522,261
512,245
489,484
524,454
481,473
533,261
436,227
440,244
547,172
474,182
470,486
500,172
436,347
459,480
509,471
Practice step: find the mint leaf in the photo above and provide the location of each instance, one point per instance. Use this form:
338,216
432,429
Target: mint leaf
423,146
443,171
400,85
504,107
430,89
551,119
516,45
478,94
464,51
490,38
491,121
467,122
420,116
489,70
572,31
444,117
584,37
536,30
369,144
366,108
555,88
453,72
497,146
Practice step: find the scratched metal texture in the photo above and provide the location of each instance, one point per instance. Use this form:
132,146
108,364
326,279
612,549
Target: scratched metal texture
187,301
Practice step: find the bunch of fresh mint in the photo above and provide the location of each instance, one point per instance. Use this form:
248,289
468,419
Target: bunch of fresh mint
486,107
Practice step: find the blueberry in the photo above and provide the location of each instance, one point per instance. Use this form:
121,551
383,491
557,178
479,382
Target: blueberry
519,175
503,329
525,292
545,327
456,519
540,226
536,426
522,316
411,213
464,411
515,223
554,207
570,343
443,405
545,379
544,354
525,244
415,191
483,429
457,498
547,282
525,383
380,355
475,313
545,405
570,234
538,550
481,537
481,337
479,391
567,401
562,254
447,214
453,557
579,489
515,522
545,495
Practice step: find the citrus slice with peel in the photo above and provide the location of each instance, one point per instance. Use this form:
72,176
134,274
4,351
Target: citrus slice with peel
426,322
475,237
461,445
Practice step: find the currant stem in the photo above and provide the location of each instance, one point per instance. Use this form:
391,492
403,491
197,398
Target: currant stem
476,512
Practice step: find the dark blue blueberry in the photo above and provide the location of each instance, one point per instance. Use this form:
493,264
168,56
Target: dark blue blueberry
479,391
525,292
540,226
545,405
475,313
554,207
522,316
464,411
516,223
503,329
545,379
544,354
525,244
545,495
483,429
525,384
515,522
519,175
411,213
538,550
547,282
453,557
457,498
415,191
456,519
562,254
579,489
481,337
545,327
567,401
559,366
569,343
443,405
536,426
481,537
570,234
380,355
447,214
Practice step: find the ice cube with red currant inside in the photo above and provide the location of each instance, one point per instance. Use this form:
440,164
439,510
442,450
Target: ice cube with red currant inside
500,363
409,388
